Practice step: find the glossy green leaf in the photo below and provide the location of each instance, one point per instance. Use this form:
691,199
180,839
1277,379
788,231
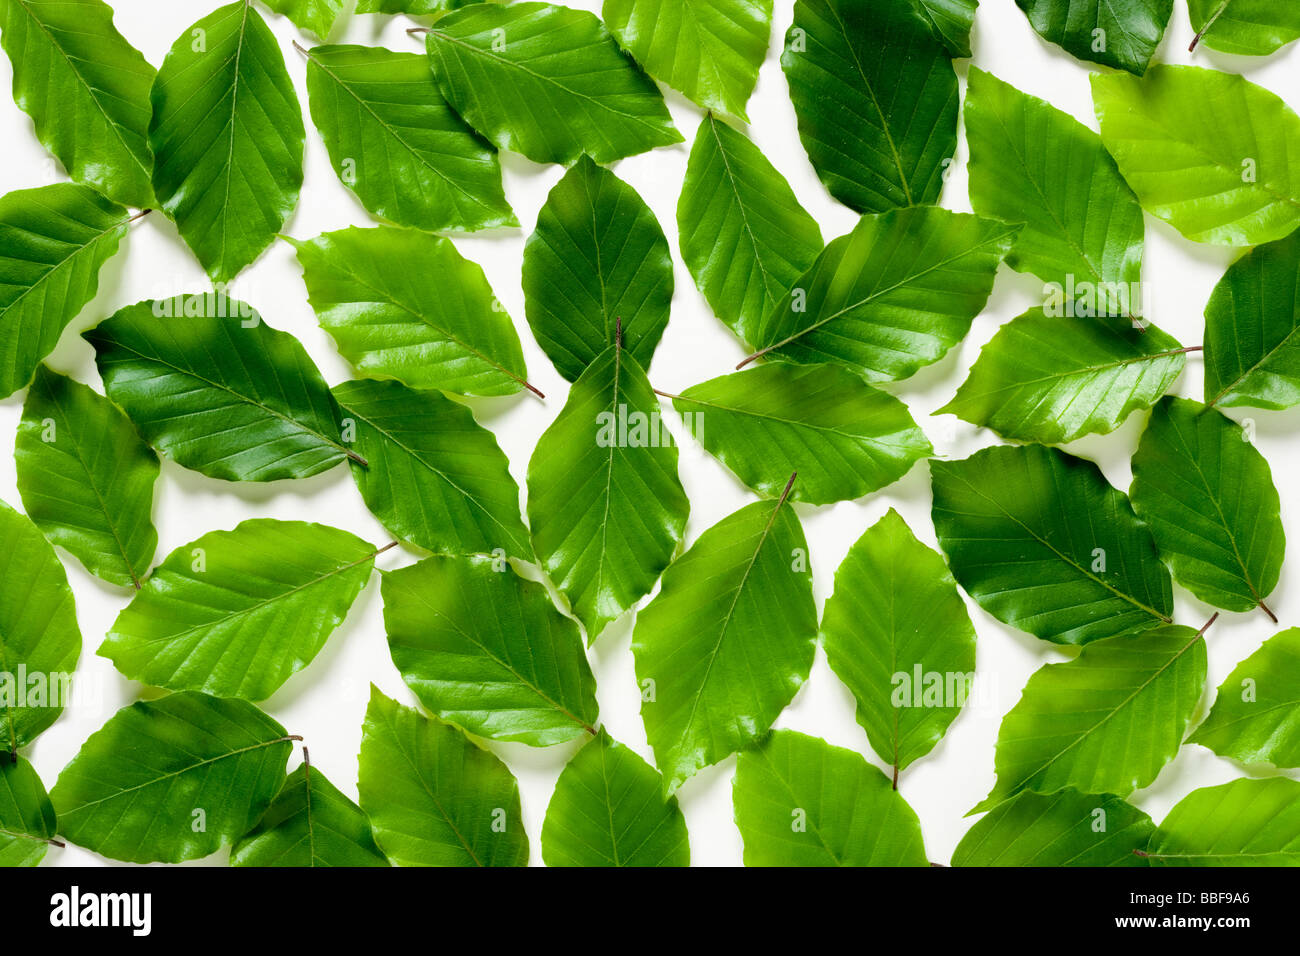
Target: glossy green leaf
210,384
1207,495
433,797
801,802
596,257
897,633
1042,542
486,650
727,641
608,809
950,21
142,783
27,822
402,304
1066,828
236,613
227,137
1123,35
396,143
742,232
1245,27
844,438
317,16
709,50
605,505
1256,715
571,89
433,475
53,242
890,297
86,478
1105,722
1242,823
1210,153
87,91
412,7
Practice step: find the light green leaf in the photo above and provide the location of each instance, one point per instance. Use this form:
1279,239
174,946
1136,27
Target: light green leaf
1210,153
1066,828
87,91
801,802
727,641
892,296
27,821
898,635
406,305
87,479
1256,715
141,782
1207,495
396,143
210,384
571,89
1042,542
950,21
53,242
742,232
486,650
844,438
876,98
433,797
1245,27
608,809
1105,722
227,138
605,505
596,257
1242,823
1049,379
412,7
317,16
236,613
433,475
1123,35
710,50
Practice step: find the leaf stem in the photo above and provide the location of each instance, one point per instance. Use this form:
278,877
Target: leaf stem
387,547
414,30
786,493
1206,626
140,215
1265,608
357,458
1208,23
669,395
301,49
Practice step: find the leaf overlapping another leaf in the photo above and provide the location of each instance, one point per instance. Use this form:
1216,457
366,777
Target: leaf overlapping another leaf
1241,823
27,819
951,21
317,16
1256,715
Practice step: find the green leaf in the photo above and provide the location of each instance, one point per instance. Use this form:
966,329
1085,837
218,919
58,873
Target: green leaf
844,438
1066,828
434,476
227,138
596,257
1207,495
801,802
1123,35
1105,722
317,16
898,635
39,639
1049,379
892,296
1210,153
727,641
608,809
605,505
53,242
876,98
406,305
236,613
1245,27
1256,715
87,91
1034,164
210,384
27,821
486,650
141,783
1042,542
710,50
1241,823
87,479
571,89
1252,330
433,797
396,143
950,21
412,7
310,823
742,232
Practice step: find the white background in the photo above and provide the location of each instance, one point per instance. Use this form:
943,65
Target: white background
325,703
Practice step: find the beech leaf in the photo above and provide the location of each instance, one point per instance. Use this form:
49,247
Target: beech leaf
1241,823
27,821
315,16
950,21
1244,27
1066,828
1123,35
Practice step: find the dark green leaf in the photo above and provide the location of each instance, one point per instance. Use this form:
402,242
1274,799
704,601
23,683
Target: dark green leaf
1124,35
1066,828
950,21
